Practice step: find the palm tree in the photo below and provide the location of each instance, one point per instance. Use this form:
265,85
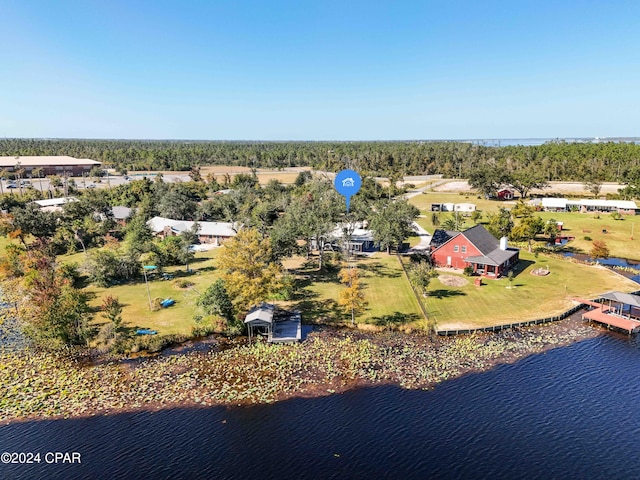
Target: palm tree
38,172
19,174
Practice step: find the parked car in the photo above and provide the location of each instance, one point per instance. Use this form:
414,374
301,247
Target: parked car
12,185
91,185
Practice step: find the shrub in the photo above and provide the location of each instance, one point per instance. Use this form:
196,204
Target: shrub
587,237
332,260
468,270
156,304
287,290
107,267
206,329
182,283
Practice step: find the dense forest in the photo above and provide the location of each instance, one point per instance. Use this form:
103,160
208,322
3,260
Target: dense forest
610,161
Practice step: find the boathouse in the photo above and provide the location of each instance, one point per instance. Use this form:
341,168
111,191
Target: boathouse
275,325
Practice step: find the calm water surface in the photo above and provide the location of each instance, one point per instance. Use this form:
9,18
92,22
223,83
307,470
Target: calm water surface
573,412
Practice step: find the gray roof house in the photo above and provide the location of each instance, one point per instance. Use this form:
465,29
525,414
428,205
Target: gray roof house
209,232
474,247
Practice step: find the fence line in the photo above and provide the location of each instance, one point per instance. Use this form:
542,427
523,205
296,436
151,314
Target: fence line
527,323
406,275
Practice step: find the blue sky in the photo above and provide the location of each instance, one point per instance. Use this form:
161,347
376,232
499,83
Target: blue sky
330,70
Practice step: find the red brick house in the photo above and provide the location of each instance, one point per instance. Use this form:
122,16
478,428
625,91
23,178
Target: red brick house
474,247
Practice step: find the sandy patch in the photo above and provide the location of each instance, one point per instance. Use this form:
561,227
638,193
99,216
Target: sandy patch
456,186
453,281
564,188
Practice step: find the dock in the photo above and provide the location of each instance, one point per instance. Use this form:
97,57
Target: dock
287,331
611,319
613,316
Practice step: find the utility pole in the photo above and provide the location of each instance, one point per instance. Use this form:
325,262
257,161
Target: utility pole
146,281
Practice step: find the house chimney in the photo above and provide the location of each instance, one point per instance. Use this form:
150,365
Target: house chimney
504,244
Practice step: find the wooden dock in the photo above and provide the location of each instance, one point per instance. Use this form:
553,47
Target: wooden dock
610,315
611,319
595,305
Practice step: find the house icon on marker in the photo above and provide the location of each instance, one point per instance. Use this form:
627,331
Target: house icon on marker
348,182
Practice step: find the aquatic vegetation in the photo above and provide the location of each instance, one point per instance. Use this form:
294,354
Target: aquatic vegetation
36,384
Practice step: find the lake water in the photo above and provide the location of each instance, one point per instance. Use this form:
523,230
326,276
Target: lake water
573,412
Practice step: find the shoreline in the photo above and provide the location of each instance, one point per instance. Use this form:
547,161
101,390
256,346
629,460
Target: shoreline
331,360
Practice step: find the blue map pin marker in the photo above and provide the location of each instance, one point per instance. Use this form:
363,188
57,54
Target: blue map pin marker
347,184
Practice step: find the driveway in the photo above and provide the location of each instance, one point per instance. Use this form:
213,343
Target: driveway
425,239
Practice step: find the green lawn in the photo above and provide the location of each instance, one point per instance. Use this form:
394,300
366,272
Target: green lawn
617,236
177,319
530,298
580,225
424,201
391,300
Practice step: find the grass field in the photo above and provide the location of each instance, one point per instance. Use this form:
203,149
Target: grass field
618,236
530,297
391,300
177,319
264,175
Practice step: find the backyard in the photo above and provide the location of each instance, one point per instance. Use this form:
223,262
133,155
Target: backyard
391,301
177,319
530,296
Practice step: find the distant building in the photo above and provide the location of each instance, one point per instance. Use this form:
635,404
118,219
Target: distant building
54,204
50,165
209,232
474,247
504,194
453,207
625,207
121,214
464,207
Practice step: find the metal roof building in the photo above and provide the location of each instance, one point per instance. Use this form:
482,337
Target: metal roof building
50,164
209,232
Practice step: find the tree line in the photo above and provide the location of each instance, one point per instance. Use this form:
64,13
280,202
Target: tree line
611,161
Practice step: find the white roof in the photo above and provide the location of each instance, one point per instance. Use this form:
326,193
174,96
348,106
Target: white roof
54,202
215,229
464,206
120,212
358,235
262,313
550,202
44,161
624,204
